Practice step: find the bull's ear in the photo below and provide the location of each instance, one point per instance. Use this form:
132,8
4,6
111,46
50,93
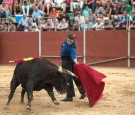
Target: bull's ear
60,69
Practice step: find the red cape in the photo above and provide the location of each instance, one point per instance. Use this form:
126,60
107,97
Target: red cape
92,82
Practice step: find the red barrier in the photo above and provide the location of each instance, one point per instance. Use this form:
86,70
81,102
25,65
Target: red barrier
101,45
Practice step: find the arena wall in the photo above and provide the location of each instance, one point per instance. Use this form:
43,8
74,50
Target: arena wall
100,46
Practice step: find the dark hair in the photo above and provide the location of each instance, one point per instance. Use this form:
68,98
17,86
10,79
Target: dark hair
71,36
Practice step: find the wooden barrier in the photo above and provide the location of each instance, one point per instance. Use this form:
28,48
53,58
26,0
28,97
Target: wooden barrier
101,45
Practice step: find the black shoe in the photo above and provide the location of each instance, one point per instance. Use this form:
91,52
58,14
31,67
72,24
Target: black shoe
83,96
67,99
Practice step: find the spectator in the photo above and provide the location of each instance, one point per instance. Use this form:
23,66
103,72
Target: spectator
2,13
71,20
11,26
107,24
78,2
54,12
23,22
78,9
34,29
80,19
3,26
37,13
108,9
116,25
38,3
91,17
47,4
9,3
99,9
99,25
60,4
17,5
86,11
76,26
125,21
92,4
48,26
26,6
4,7
86,25
63,25
127,7
31,24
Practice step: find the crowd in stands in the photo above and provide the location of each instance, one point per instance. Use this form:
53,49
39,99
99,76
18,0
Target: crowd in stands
65,15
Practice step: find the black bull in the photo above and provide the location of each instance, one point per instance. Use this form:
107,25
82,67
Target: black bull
35,75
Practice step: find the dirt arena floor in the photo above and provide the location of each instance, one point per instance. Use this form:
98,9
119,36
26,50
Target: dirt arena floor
119,96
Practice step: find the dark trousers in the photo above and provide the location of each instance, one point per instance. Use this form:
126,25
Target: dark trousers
69,65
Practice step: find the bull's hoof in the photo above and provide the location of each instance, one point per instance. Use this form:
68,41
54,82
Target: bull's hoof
28,107
56,102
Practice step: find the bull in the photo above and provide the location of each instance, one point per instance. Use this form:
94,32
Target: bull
35,75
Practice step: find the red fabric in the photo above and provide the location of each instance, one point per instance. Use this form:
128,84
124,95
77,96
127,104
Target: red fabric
92,82
22,60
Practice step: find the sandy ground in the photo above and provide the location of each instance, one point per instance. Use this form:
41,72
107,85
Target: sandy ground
119,96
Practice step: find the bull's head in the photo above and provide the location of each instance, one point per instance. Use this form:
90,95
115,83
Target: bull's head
62,76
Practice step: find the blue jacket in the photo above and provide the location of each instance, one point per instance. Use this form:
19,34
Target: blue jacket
68,50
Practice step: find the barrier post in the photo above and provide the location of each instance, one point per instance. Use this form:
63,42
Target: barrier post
39,42
84,46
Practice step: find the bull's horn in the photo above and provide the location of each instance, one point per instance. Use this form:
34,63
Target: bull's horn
69,72
60,69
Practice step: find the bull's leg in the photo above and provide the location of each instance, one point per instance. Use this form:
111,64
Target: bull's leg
29,88
13,85
51,94
22,95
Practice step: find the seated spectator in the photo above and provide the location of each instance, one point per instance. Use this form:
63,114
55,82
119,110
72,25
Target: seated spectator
3,26
107,24
92,4
9,3
54,12
23,22
125,21
26,6
38,3
80,19
60,4
76,26
37,13
17,5
4,7
78,2
71,20
2,13
99,25
86,25
108,9
11,26
26,29
63,25
127,7
48,26
99,9
47,4
34,29
91,17
116,24
86,11
78,9
30,24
